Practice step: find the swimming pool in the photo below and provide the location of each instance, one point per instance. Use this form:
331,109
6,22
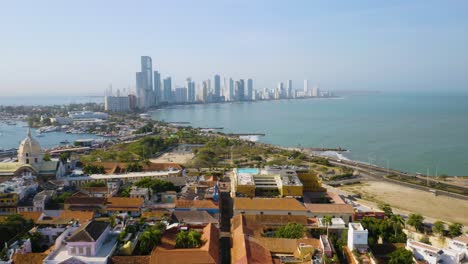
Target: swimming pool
248,170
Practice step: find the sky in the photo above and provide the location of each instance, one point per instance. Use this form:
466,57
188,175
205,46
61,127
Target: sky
81,47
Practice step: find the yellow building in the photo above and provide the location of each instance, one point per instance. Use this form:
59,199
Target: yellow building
311,182
8,203
270,182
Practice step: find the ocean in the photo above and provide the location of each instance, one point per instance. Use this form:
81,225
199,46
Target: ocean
48,100
412,132
12,135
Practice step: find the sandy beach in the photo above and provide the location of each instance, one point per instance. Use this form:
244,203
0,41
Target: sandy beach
181,158
413,200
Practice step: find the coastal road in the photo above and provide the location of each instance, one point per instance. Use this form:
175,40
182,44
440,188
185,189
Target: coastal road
369,172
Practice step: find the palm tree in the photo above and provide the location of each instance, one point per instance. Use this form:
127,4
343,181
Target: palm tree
327,220
397,221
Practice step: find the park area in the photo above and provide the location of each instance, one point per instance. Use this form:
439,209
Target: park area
413,200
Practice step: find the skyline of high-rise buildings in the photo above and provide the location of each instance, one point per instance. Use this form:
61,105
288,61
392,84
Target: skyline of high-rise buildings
152,91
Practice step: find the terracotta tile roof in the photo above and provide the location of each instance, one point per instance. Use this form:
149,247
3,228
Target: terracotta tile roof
30,258
68,215
117,203
155,214
192,217
80,194
245,250
34,216
89,232
330,208
276,220
285,245
200,204
96,189
268,204
208,253
82,216
130,260
76,200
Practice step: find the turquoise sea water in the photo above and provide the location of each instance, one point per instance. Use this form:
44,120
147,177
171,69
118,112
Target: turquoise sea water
410,132
48,100
11,136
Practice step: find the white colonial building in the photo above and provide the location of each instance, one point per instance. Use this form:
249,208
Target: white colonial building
357,237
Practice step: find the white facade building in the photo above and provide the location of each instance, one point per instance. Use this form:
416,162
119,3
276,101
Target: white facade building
453,254
88,115
117,103
357,237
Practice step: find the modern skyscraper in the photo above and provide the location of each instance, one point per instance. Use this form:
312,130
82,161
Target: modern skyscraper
315,92
142,93
237,85
167,86
217,88
205,89
306,86
190,90
231,89
181,95
250,89
144,83
289,93
281,91
241,90
157,87
147,71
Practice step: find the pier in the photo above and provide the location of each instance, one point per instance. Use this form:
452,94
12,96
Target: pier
339,149
211,128
246,134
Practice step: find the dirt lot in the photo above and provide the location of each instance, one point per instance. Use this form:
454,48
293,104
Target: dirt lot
181,158
408,199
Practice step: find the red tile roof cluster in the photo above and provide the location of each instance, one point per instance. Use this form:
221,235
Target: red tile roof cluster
208,253
199,204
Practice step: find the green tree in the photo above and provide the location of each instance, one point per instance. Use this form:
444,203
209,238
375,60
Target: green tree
12,226
416,221
36,241
438,227
46,157
386,208
327,220
291,230
134,167
401,256
190,239
156,185
455,229
149,239
398,223
64,157
425,239
95,184
93,169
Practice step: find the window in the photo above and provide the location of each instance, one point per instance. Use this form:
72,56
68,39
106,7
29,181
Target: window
27,161
35,160
289,213
27,154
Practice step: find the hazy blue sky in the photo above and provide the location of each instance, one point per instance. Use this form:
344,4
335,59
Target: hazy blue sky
83,46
